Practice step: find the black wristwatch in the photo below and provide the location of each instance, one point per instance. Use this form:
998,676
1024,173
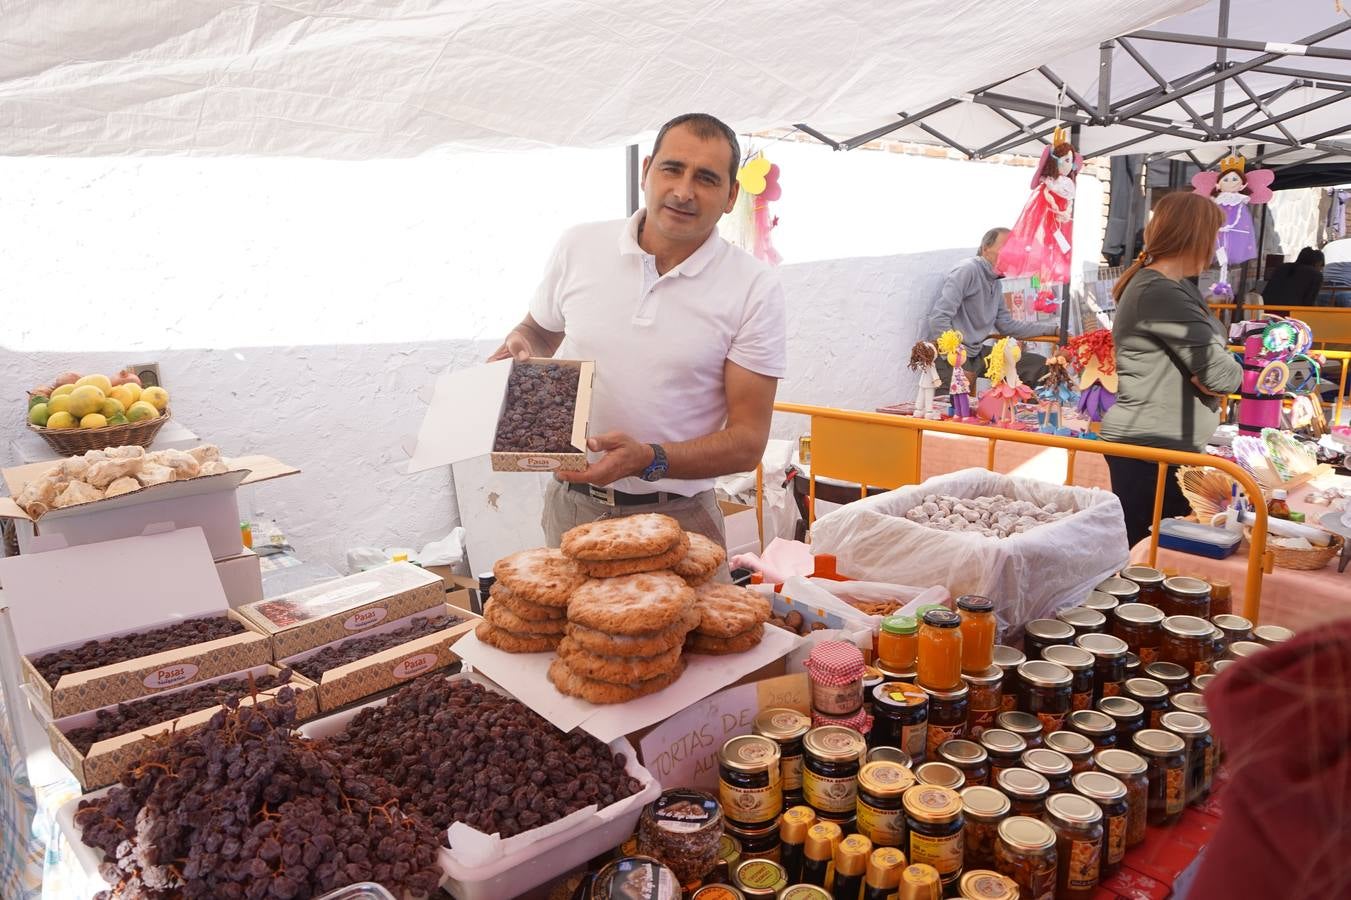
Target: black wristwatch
657,469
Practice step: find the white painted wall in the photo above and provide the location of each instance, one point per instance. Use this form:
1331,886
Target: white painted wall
297,306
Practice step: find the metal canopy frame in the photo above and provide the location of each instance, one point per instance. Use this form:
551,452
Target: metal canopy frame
1247,118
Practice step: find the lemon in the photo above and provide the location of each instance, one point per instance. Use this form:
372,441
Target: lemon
38,415
63,390
118,419
94,420
85,399
157,397
112,407
141,410
35,399
61,420
126,394
102,382
58,404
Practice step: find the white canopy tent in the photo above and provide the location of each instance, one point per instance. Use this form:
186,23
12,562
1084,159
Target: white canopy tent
362,79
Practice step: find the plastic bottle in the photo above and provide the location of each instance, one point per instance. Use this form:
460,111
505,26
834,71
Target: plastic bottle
1278,507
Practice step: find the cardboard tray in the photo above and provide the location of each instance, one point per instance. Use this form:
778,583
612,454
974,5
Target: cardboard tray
108,759
388,668
344,607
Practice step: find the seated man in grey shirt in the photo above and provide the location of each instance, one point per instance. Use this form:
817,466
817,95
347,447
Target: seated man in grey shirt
973,303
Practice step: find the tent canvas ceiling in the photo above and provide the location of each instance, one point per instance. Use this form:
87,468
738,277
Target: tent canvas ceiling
358,79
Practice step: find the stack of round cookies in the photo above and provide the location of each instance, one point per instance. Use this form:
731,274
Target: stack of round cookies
528,609
731,619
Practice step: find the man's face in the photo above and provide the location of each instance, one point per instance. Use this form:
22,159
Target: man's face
991,253
686,186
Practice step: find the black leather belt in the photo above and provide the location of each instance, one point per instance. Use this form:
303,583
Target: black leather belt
612,497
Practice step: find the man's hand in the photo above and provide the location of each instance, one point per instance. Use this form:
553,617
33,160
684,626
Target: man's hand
624,457
517,346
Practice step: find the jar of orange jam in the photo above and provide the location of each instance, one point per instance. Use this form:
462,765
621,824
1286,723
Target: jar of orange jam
898,642
977,627
940,650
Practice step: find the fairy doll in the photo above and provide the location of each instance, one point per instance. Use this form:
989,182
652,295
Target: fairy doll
1235,192
959,387
1039,242
1095,356
923,357
1056,389
1006,388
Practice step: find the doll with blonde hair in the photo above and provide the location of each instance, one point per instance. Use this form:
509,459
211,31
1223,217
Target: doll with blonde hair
959,386
1006,388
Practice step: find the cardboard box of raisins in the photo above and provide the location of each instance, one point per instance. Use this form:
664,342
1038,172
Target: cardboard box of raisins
468,408
391,666
105,761
328,612
62,599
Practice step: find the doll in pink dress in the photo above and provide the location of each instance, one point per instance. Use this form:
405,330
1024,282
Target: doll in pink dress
1039,242
959,386
1006,388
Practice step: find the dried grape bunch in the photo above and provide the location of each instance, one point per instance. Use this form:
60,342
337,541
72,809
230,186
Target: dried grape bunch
282,613
456,752
245,809
93,654
353,649
128,717
537,417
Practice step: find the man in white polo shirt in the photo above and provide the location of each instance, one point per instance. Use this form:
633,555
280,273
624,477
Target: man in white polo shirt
687,332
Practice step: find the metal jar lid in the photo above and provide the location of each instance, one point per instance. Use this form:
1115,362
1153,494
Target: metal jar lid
1184,723
1076,659
1072,809
1020,723
1142,575
1041,673
1272,634
1023,783
1099,786
1200,682
1167,673
940,774
1240,649
984,802
900,625
1045,761
1138,614
899,695
1049,630
1189,588
782,724
834,743
1002,741
749,753
941,618
1157,742
885,779
1102,601
1104,646
1123,589
932,803
1231,624
992,675
1026,834
986,884
1121,707
1146,688
727,892
958,693
613,880
961,752
975,603
1188,702
1081,619
1120,762
1090,721
1006,657
1187,626
760,878
889,754
792,892
1070,743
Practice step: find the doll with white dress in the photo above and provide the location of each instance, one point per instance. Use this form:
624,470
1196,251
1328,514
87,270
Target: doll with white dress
923,359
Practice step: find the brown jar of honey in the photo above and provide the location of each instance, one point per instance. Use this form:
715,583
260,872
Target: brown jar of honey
1150,582
1141,627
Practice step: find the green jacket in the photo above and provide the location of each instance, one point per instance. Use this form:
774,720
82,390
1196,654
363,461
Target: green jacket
1165,334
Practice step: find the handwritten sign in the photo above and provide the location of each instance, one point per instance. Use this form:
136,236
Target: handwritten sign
683,750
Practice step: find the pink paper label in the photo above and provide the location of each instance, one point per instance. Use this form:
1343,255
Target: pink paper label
170,676
414,665
365,619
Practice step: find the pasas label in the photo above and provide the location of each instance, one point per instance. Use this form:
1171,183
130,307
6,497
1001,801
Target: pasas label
365,619
538,463
414,665
170,676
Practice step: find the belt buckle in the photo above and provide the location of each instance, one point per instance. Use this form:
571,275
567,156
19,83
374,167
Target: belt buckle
604,495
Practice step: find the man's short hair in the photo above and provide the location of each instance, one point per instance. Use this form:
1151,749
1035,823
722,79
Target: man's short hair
994,234
705,127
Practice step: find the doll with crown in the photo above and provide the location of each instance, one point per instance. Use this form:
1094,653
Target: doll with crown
1235,191
1039,242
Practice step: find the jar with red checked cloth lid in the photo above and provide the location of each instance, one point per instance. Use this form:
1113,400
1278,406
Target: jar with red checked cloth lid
859,721
836,670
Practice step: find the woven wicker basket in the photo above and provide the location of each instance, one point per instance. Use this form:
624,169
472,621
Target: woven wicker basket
1302,560
74,441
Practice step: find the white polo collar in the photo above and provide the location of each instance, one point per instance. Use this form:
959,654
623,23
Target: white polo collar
693,264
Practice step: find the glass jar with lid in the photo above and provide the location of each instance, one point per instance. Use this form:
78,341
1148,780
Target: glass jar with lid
1026,852
1110,794
983,808
978,632
969,757
984,699
986,884
1141,627
1004,749
881,815
948,712
1098,727
889,754
900,718
1026,790
1150,694
1234,628
1073,746
933,817
1050,764
1195,733
1133,772
1220,665
1042,633
898,642
941,774
1102,602
872,677
1150,582
1221,597
1083,620
1199,682
750,787
786,728
1080,664
1188,702
940,650
1120,589
832,757
1271,635
1008,659
1165,754
1045,690
1109,663
1242,650
883,877
1132,665
1025,725
1077,822
835,670
1170,675
1129,716
1187,641
1183,596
